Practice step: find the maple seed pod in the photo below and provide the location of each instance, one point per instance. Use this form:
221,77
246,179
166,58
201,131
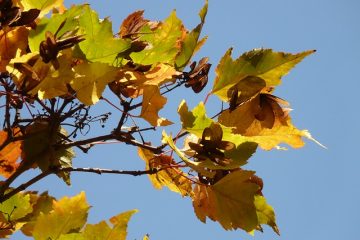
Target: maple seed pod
197,78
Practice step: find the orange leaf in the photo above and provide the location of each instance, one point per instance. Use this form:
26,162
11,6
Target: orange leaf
10,42
9,154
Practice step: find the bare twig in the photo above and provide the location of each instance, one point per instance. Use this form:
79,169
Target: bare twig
42,175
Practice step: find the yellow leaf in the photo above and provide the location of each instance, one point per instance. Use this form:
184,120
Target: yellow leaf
55,82
171,177
264,121
68,215
265,213
44,5
153,102
91,79
102,230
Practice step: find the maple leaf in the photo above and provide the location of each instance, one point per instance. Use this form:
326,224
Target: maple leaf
171,177
130,82
39,151
152,103
163,42
11,211
190,43
263,63
44,5
196,121
99,34
68,215
91,79
12,40
68,20
265,213
265,122
131,25
102,230
41,204
9,154
16,207
230,201
55,82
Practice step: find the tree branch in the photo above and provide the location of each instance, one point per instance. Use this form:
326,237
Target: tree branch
42,175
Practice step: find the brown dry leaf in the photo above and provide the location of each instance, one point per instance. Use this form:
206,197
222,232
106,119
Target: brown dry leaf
132,24
9,154
171,177
10,41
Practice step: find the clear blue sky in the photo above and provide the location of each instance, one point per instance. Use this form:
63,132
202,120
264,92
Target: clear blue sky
315,192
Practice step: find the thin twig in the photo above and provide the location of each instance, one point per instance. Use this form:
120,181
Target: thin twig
42,175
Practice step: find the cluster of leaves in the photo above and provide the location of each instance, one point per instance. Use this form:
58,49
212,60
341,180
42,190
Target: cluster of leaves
56,65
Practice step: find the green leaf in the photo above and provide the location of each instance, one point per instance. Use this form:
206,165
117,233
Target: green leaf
263,63
44,5
191,42
163,42
196,121
99,44
102,230
68,215
16,207
52,24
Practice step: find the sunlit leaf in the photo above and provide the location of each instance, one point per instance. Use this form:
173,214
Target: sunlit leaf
69,18
265,213
10,42
16,207
263,63
163,42
68,215
100,44
42,204
44,5
55,82
153,102
171,177
91,79
196,121
191,44
264,121
230,201
102,230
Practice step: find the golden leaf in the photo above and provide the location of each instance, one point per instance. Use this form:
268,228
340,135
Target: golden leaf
171,177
